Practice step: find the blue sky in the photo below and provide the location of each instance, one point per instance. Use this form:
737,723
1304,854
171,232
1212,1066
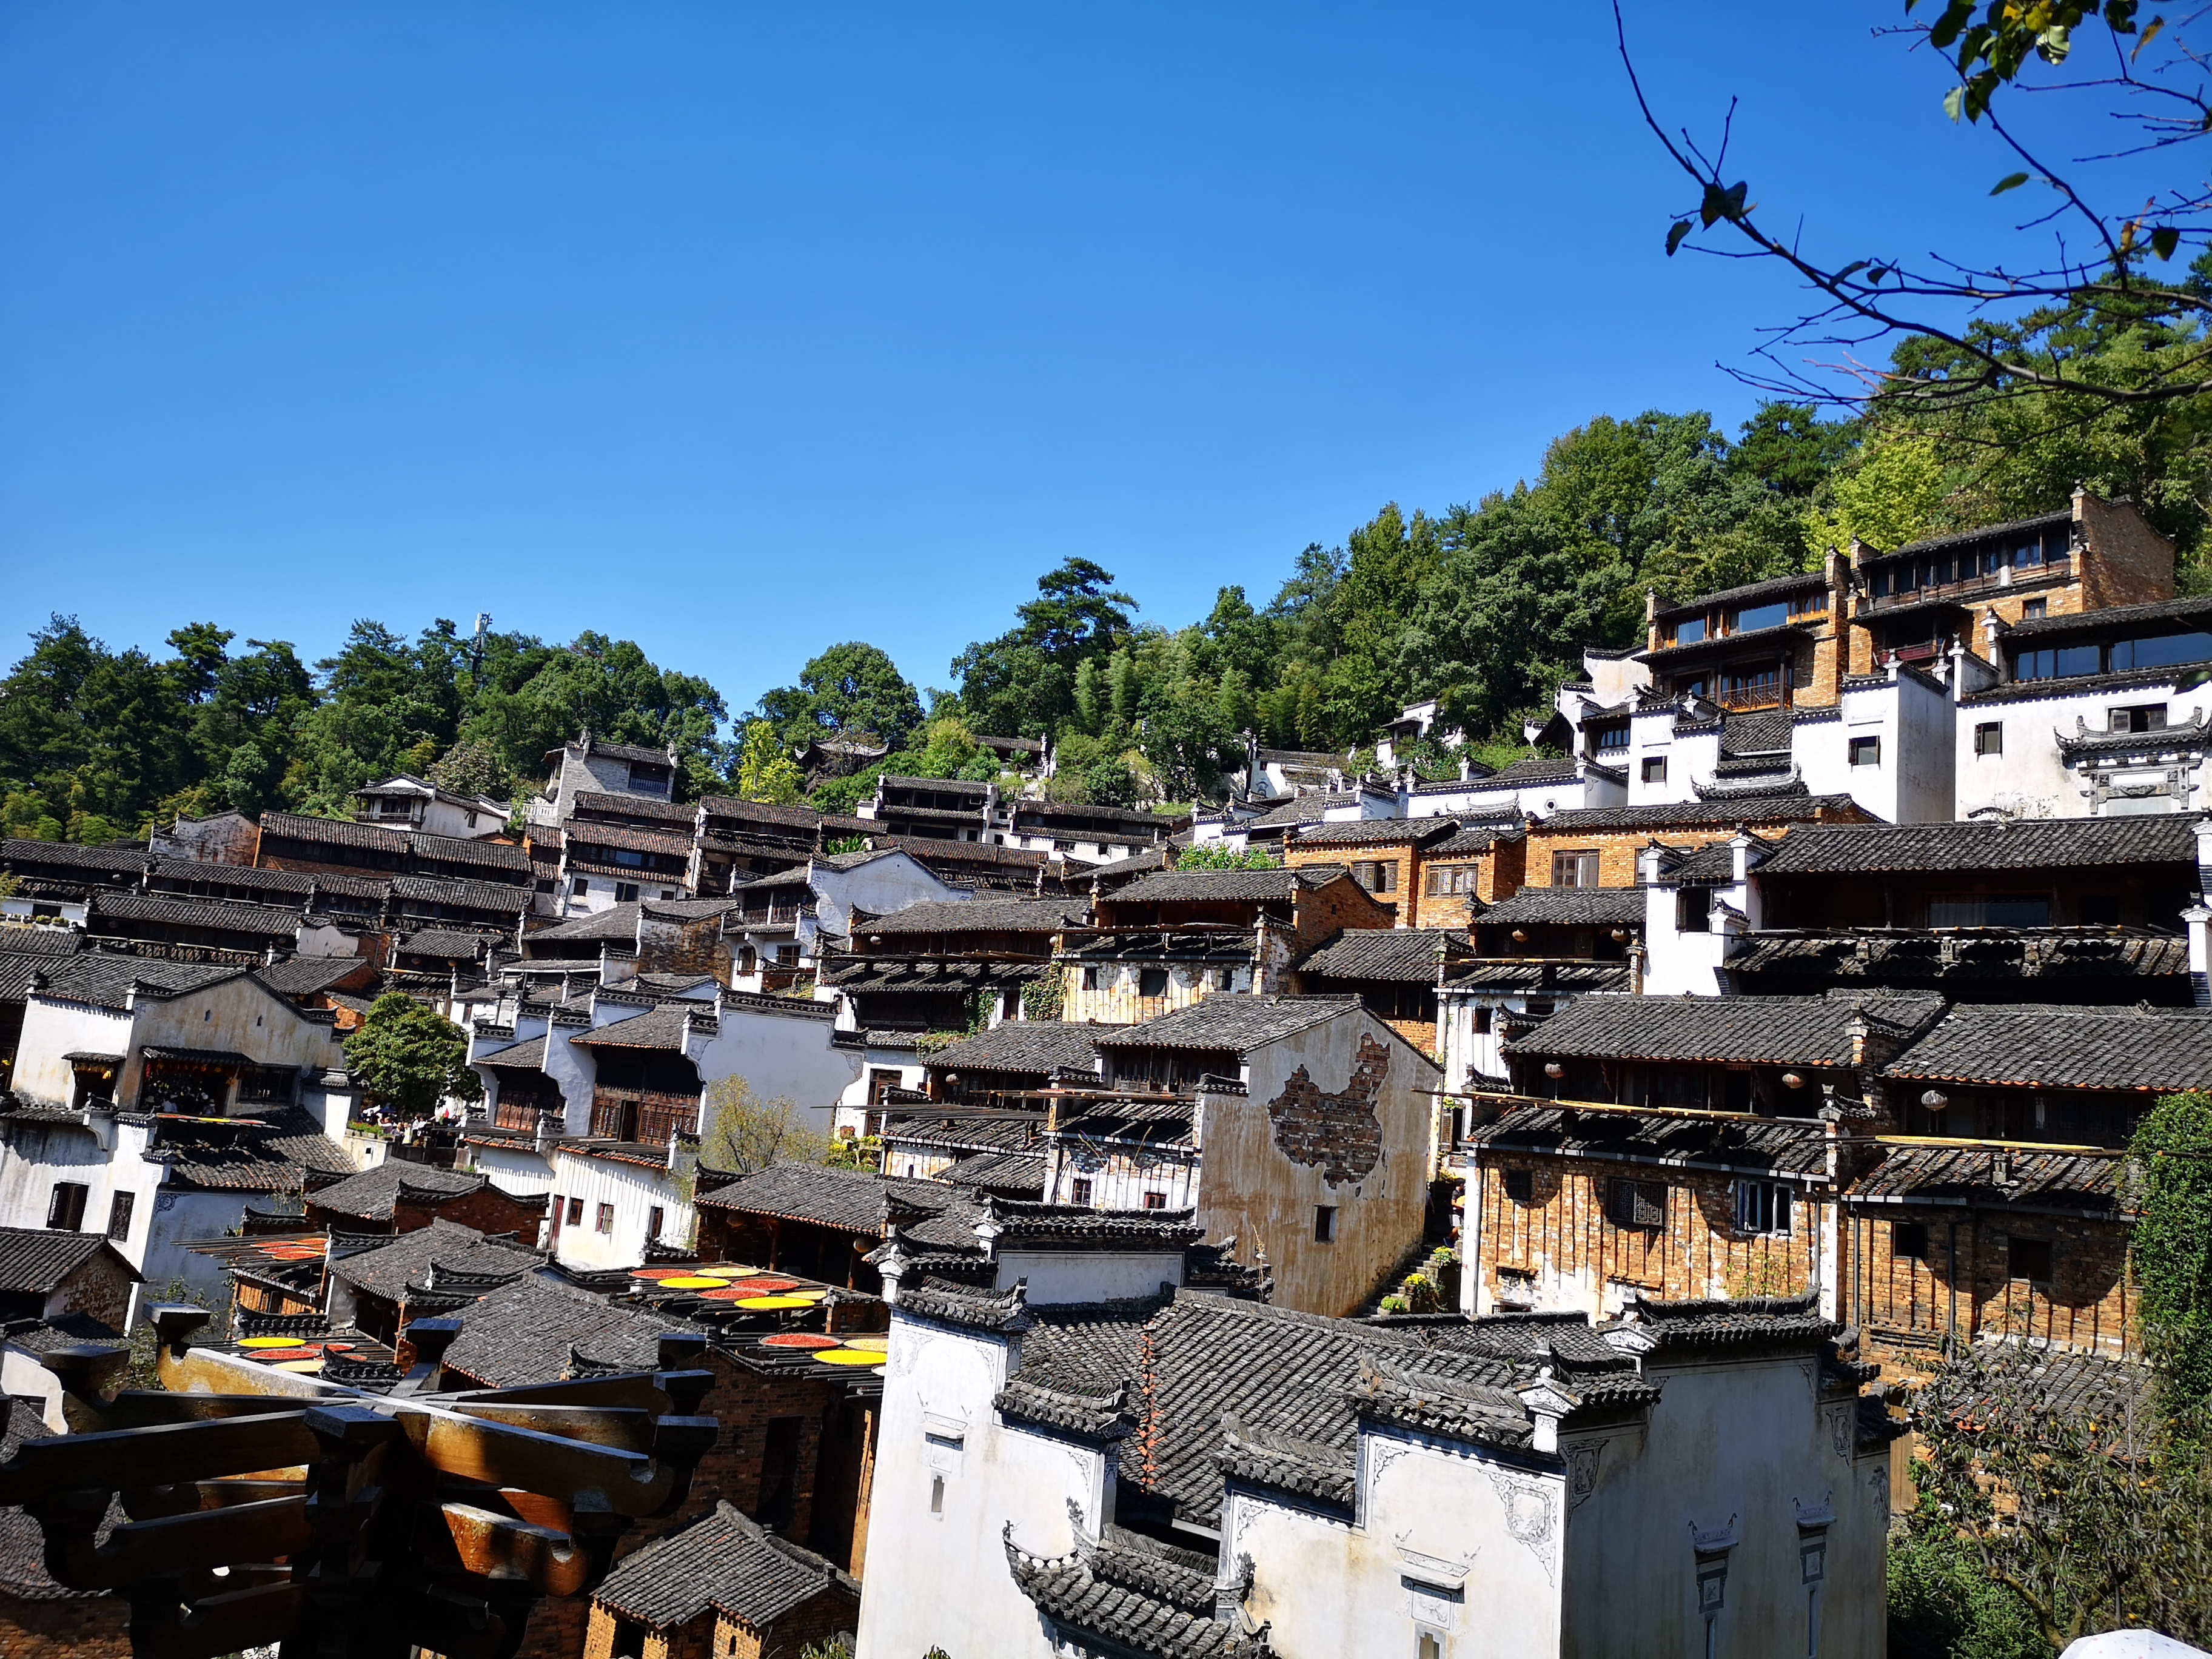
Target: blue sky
740,330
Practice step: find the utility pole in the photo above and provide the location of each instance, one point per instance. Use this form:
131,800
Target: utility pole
476,648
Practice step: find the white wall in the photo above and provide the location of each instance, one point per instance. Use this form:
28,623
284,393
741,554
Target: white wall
943,1571
879,887
783,1048
634,1190
2030,779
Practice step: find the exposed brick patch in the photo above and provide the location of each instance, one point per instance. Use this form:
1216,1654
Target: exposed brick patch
1341,1133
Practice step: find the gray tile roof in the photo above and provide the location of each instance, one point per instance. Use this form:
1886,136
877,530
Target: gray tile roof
1602,907
638,806
1226,886
1368,832
216,916
23,939
2115,618
2012,526
526,1056
1768,731
1237,1023
338,832
850,1199
37,1260
272,1153
460,849
384,1270
103,979
527,1332
1024,1045
1774,587
128,857
1753,1146
1142,1597
617,922
1990,1174
725,1560
1403,955
300,976
181,873
2063,964
1680,815
1748,1322
2028,844
688,909
1302,809
657,1027
452,944
371,1195
581,832
1475,839
1044,917
1771,1030
2148,1050
464,895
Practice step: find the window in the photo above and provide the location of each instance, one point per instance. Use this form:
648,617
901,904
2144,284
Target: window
1375,876
1152,982
1482,1022
1574,869
1989,737
1521,1186
2144,717
581,885
1089,979
1156,1200
575,1213
1608,737
1694,911
653,1218
606,1218
1324,1224
65,1209
2029,1259
1078,1190
1759,615
2035,610
625,891
1762,1207
1866,751
558,1208
1689,630
1655,768
1636,1203
667,893
1908,1241
937,1494
1988,910
2160,651
119,1216
546,886
2057,662
1428,1644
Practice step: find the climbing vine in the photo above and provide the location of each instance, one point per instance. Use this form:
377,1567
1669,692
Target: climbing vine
2171,1191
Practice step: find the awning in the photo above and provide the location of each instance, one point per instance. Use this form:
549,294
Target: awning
227,1058
82,1059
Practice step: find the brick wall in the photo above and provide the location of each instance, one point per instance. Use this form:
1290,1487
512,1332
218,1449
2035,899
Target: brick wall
1341,905
489,1211
67,1627
2128,561
1907,1304
1403,860
1617,850
1561,1246
665,946
100,1288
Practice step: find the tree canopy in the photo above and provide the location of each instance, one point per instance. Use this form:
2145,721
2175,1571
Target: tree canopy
411,1056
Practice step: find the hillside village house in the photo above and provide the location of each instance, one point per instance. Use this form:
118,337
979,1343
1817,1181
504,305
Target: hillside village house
934,965
1167,940
591,765
1072,1461
783,926
403,801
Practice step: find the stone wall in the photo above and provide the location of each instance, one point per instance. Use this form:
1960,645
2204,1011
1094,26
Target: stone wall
2128,561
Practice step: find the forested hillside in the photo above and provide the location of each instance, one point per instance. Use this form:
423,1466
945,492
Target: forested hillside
1485,607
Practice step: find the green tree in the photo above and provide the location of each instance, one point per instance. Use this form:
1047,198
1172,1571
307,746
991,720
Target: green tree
1024,681
765,772
744,1132
849,688
1215,856
2171,1191
410,1057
